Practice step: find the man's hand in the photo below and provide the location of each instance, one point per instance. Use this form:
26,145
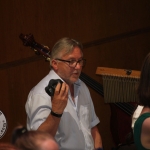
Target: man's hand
97,138
60,98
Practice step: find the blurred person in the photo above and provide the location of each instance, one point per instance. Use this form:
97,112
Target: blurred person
142,124
33,140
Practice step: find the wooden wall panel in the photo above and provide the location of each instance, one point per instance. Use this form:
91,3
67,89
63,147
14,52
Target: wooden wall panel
84,20
16,84
126,53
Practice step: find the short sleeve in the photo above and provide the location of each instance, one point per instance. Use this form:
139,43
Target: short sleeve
38,108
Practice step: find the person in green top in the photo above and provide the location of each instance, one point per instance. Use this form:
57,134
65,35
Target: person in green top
142,132
142,125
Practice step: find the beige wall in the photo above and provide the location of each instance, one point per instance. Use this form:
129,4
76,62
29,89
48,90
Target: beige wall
119,26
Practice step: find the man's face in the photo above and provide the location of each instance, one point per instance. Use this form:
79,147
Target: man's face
67,73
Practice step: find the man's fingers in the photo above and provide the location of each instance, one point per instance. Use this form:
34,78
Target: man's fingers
61,89
60,98
58,88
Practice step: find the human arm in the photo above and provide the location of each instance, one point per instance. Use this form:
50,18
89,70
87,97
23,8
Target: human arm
96,137
59,102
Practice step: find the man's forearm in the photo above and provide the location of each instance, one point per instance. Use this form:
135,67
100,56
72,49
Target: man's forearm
96,137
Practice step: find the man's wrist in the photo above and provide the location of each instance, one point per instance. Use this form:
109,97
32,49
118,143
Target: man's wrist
55,114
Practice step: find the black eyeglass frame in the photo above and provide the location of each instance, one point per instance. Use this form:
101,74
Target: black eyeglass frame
69,61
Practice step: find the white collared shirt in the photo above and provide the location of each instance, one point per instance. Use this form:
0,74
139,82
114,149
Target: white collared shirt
74,131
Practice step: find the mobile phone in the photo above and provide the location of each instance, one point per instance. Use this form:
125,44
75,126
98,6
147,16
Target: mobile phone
50,88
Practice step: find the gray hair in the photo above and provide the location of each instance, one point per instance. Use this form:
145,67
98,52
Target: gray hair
66,45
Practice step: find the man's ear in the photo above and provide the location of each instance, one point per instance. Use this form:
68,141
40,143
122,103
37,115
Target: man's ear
54,64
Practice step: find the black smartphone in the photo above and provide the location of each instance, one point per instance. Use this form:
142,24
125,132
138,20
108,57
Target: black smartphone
50,88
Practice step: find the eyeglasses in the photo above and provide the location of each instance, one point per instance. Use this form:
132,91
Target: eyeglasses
73,63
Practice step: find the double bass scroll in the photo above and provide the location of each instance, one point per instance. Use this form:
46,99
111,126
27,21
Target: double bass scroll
39,49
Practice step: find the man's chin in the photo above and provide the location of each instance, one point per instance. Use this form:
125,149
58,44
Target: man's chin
73,80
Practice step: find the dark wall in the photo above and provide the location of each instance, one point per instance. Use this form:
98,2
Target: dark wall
115,34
